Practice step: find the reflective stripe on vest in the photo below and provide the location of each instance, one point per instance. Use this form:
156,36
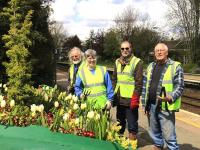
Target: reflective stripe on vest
71,72
95,84
125,78
167,83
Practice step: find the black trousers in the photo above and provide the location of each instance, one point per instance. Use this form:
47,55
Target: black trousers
125,114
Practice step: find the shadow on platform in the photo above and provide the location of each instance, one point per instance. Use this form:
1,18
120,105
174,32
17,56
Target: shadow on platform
187,147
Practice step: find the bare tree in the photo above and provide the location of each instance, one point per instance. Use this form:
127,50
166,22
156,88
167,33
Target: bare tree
184,16
58,33
126,21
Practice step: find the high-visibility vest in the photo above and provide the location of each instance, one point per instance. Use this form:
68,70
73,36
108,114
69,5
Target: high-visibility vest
167,83
71,70
94,83
125,78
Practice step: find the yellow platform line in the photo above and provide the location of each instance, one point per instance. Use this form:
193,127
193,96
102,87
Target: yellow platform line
187,120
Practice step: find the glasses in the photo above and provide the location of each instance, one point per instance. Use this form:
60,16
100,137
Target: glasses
124,48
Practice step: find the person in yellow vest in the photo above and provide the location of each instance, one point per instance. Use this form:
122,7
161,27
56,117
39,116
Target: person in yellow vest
161,97
96,80
76,57
127,77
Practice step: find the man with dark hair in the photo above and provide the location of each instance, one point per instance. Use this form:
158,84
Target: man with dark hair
127,76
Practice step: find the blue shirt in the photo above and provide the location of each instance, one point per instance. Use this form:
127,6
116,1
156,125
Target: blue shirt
109,89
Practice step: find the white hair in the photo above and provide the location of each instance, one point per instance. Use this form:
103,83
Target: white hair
90,52
78,50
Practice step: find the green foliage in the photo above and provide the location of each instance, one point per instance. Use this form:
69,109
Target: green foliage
111,45
143,41
17,41
190,68
42,48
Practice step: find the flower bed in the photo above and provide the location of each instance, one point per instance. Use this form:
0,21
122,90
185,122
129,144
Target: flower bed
63,113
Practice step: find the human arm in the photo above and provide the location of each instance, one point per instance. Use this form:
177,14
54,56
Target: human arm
109,88
138,76
78,86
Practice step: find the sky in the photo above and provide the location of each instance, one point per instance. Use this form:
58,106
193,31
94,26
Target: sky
79,17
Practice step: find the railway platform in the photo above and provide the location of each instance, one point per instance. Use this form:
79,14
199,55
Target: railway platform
187,125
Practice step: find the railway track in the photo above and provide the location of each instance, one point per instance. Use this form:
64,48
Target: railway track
191,104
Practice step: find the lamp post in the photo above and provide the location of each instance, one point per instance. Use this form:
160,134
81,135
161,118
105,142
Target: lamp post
55,62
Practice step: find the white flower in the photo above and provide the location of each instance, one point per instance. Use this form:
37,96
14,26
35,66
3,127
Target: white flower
75,98
37,108
0,84
97,117
5,89
76,121
90,114
47,87
33,107
46,97
66,116
3,103
1,97
75,107
12,103
83,106
4,85
41,108
56,104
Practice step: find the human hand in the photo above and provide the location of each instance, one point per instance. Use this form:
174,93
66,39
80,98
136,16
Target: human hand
108,105
82,96
168,98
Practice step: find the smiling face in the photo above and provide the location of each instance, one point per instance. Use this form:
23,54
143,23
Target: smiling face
125,49
91,61
161,52
91,58
75,57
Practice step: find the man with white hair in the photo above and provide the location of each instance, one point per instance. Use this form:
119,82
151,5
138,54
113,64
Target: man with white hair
96,81
161,97
76,58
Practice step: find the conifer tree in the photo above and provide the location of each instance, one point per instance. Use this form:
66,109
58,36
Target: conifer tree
17,42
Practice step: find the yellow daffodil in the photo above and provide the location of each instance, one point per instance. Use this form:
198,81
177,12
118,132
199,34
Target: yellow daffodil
12,103
83,106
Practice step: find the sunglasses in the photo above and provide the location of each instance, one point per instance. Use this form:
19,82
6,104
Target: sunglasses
126,48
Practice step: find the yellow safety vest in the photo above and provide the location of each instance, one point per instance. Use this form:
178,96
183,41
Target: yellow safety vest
95,84
125,78
71,70
167,83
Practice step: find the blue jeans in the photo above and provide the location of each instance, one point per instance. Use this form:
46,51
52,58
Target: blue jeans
162,128
125,113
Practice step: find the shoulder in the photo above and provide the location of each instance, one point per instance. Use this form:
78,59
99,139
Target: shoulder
175,63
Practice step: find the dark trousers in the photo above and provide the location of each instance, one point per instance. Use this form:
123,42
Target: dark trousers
124,113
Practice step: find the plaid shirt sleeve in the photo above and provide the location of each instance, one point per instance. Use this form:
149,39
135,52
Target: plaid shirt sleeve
143,90
178,83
